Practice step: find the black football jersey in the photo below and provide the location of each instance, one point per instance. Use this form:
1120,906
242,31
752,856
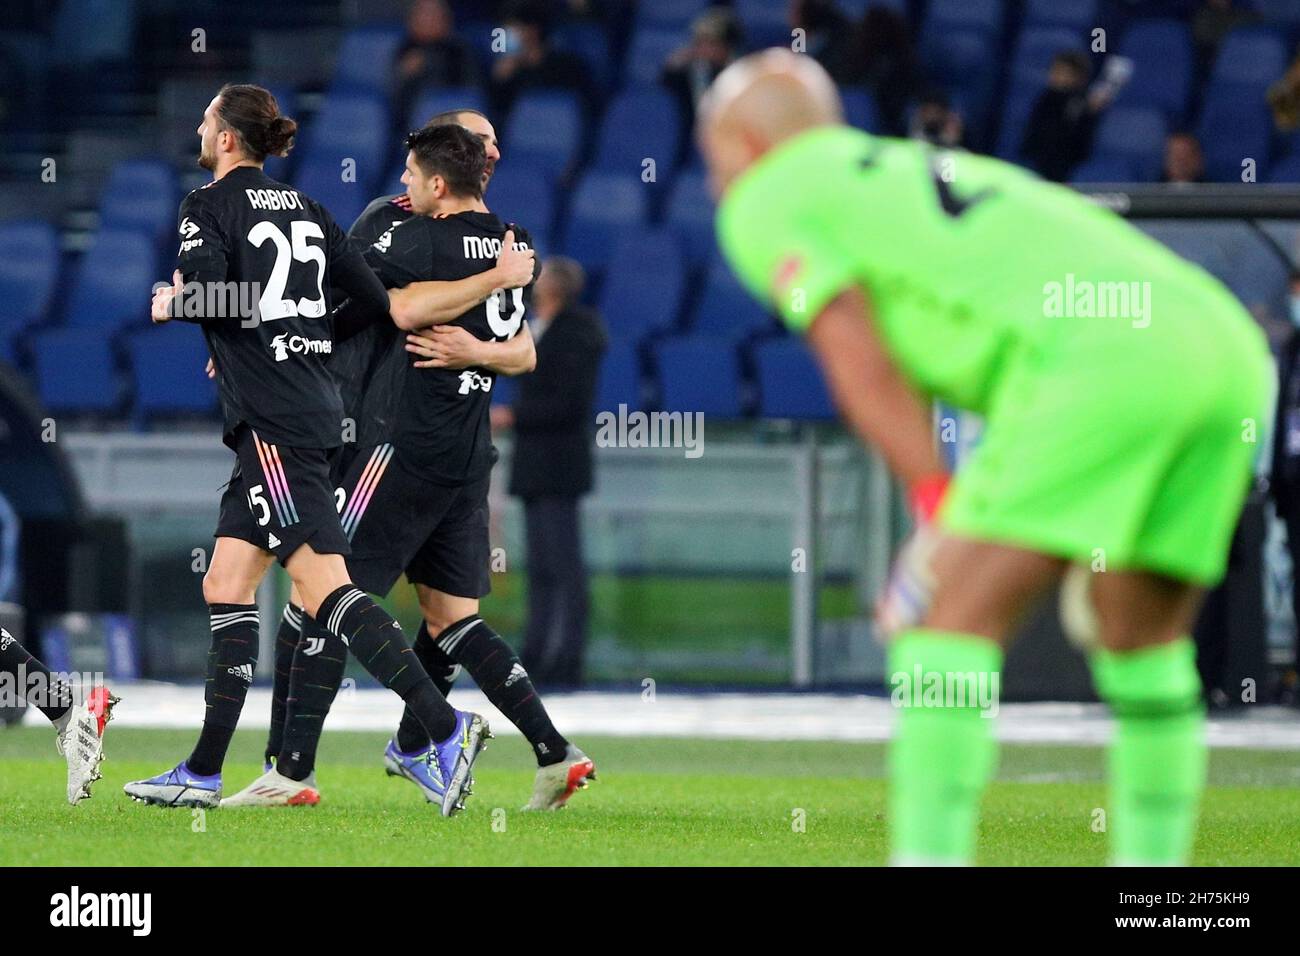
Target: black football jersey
381,215
276,252
438,419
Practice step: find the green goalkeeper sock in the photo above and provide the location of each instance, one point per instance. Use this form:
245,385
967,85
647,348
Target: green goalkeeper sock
943,750
1158,757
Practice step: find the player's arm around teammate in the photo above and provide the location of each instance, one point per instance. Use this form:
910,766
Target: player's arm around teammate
452,347
422,304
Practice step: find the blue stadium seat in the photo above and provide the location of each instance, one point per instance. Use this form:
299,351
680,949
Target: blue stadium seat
1106,169
1252,56
589,41
1278,11
639,124
965,62
670,14
620,378
545,129
1136,133
93,31
646,54
690,215
790,385
700,374
29,268
856,9
1078,15
645,280
1017,106
365,60
1162,56
606,207
75,371
1231,131
522,193
1034,51
725,310
349,127
764,22
504,390
111,284
320,177
434,100
1286,170
860,109
945,16
140,194
167,366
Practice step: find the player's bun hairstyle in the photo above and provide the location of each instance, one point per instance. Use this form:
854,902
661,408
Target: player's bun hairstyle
452,152
252,114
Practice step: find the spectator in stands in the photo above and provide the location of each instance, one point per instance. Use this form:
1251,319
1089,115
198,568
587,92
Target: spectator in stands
715,42
879,55
1284,475
1284,98
826,31
936,122
552,469
1058,135
1184,162
431,54
530,61
1212,21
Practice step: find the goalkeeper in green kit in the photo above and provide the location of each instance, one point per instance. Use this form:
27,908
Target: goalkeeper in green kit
1121,389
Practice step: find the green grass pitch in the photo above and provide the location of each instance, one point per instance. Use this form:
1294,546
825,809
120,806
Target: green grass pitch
658,802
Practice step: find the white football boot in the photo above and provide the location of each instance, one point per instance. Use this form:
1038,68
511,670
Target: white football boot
273,789
559,781
81,742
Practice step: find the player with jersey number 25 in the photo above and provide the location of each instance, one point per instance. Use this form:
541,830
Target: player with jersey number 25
284,421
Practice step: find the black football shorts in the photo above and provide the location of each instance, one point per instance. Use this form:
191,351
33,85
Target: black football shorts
281,498
397,521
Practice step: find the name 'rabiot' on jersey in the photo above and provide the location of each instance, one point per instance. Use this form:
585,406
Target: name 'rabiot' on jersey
277,252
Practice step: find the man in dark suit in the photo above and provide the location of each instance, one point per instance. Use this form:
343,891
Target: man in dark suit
552,469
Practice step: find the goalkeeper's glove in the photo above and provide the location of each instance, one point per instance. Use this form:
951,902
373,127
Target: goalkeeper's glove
909,590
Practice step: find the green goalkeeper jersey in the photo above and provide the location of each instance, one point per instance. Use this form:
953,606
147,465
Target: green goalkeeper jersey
970,264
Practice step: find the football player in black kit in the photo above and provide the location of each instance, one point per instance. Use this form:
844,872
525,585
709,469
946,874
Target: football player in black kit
415,496
246,236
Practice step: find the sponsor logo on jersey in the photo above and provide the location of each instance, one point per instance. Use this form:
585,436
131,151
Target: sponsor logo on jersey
5,639
188,231
470,380
284,344
274,199
384,242
485,247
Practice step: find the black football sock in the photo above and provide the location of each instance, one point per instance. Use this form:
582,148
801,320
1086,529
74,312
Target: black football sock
443,671
498,673
286,640
232,658
55,697
317,670
377,641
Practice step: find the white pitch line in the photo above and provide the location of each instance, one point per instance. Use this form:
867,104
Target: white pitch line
740,716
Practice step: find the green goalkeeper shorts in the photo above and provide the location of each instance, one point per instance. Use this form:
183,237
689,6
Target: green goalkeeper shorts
1123,451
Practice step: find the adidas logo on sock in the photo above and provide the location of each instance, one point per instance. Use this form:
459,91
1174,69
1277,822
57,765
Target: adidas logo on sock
243,671
517,672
